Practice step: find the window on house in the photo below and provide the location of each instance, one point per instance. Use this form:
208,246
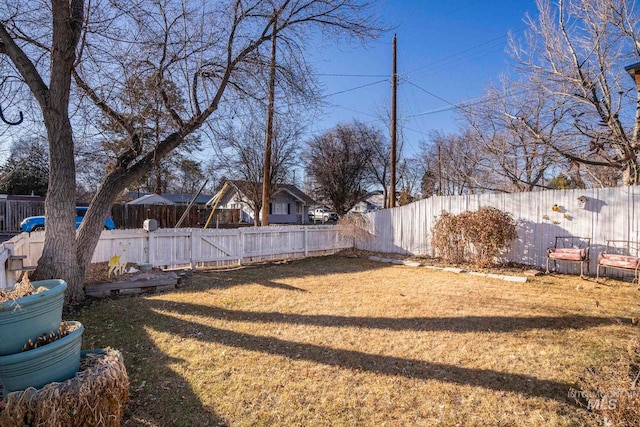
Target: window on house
280,208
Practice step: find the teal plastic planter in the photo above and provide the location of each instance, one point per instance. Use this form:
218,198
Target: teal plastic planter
31,316
54,362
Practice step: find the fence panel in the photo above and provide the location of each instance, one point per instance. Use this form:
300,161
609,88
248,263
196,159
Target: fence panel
133,216
12,212
608,213
191,247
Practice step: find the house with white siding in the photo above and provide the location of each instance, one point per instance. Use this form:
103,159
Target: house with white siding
288,204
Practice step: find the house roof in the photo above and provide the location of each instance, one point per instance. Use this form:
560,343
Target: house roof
295,192
24,197
375,198
631,69
185,198
246,187
177,198
151,199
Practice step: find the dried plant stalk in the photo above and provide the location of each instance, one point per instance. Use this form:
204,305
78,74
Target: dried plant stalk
96,396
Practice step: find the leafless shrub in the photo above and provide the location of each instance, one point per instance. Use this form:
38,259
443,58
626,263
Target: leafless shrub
356,227
448,241
479,237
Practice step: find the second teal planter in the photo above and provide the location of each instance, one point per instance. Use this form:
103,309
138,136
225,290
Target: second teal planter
54,362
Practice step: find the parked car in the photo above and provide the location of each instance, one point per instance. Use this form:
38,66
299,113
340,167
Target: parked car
322,214
36,223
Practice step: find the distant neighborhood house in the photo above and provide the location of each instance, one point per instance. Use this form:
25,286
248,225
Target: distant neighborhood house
151,199
370,202
288,204
138,198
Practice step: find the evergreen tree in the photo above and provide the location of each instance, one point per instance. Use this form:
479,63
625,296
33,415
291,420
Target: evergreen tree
27,169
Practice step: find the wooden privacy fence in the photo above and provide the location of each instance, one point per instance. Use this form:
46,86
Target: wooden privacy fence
12,212
133,216
192,247
599,214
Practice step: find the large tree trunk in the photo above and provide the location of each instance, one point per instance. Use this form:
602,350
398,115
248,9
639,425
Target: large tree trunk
93,223
117,180
59,253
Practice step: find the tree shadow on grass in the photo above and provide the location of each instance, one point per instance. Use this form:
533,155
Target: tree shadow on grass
273,275
450,324
387,365
378,364
158,395
278,285
161,396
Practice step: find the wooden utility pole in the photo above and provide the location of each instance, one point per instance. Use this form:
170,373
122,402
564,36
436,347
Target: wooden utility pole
266,175
439,172
394,90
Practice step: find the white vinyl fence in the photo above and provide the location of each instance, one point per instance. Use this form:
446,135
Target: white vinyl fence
190,248
607,214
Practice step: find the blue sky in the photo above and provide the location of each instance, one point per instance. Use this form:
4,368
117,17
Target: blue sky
448,52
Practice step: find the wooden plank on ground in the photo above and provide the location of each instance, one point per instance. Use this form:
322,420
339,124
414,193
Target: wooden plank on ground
130,287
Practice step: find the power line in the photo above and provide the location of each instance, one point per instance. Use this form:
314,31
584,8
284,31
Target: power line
354,88
432,94
356,111
441,62
459,53
352,75
463,104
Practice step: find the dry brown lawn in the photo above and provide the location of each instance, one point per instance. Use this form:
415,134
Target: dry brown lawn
349,342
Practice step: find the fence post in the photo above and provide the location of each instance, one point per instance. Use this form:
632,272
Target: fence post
9,276
194,247
8,217
240,246
306,240
151,247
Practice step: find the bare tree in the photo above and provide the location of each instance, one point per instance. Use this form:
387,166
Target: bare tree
450,162
576,51
209,50
411,177
380,162
189,177
338,162
242,153
37,55
515,155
